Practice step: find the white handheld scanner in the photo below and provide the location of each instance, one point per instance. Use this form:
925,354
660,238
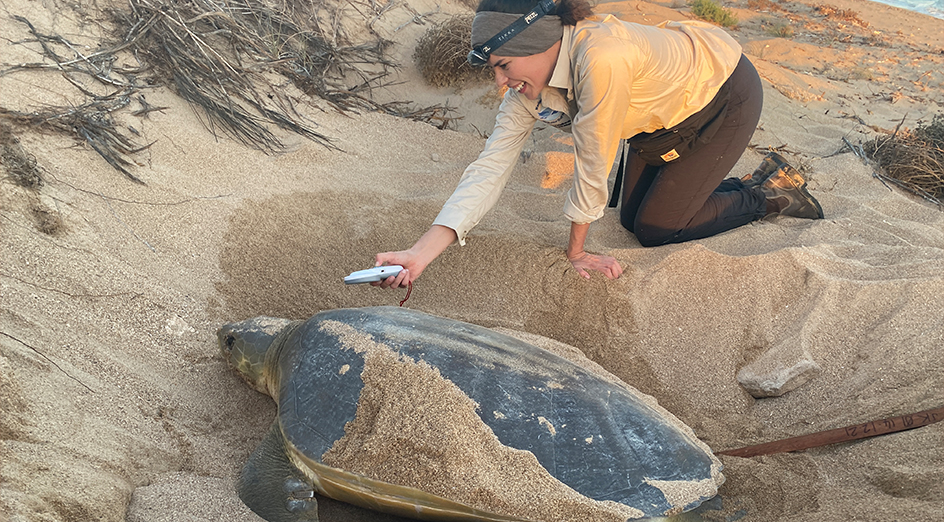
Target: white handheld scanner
378,273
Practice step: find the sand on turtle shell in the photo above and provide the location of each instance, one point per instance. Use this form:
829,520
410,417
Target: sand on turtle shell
678,493
415,428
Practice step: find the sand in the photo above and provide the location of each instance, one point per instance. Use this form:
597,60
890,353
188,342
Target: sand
116,405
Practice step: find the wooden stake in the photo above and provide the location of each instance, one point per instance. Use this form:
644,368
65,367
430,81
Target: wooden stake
854,432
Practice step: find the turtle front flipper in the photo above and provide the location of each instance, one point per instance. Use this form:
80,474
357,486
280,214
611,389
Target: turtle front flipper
274,488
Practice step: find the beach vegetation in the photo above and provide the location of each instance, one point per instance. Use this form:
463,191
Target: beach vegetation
763,5
46,220
440,54
913,159
861,73
19,164
24,171
231,62
779,29
847,16
714,13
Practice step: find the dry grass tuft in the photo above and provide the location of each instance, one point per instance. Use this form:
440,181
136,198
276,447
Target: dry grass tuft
779,29
913,160
231,61
92,122
763,5
47,221
20,164
840,15
218,56
441,53
25,172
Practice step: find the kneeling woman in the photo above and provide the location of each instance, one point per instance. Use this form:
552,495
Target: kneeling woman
681,93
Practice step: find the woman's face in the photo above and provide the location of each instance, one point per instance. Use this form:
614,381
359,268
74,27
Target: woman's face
526,74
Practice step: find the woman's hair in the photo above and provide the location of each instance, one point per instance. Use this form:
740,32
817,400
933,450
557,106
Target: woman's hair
569,11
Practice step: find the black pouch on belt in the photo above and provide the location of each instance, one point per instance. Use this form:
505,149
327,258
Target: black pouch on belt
666,145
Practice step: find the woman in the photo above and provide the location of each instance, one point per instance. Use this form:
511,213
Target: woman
683,95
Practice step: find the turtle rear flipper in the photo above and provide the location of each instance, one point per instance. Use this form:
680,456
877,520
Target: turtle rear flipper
274,488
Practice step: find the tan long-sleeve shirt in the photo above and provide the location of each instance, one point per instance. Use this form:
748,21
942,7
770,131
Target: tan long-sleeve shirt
613,80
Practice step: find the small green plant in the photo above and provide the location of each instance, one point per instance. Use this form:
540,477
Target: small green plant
714,13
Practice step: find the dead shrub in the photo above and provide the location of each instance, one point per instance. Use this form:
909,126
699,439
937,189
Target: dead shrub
913,159
47,221
20,164
441,54
840,15
763,5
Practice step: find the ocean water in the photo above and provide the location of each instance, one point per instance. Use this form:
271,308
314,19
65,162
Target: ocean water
934,8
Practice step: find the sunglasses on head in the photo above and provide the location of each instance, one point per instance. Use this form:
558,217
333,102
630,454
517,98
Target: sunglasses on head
479,54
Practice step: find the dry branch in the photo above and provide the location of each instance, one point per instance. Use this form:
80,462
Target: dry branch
92,122
913,160
224,58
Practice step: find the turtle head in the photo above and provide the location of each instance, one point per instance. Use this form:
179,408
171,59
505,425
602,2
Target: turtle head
244,346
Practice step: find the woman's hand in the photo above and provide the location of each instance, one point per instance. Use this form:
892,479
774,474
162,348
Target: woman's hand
607,265
415,260
405,258
583,261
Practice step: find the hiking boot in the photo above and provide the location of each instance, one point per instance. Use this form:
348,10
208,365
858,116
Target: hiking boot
768,167
786,189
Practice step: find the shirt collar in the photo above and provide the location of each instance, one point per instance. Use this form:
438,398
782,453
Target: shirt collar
562,78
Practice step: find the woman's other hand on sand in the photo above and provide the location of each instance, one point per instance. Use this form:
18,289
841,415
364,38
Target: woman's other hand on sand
606,265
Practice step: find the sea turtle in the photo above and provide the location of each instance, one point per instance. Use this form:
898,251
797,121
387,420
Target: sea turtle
430,418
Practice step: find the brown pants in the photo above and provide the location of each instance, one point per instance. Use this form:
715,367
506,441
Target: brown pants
690,198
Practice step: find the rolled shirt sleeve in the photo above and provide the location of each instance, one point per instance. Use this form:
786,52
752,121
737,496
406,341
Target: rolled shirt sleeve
603,86
482,182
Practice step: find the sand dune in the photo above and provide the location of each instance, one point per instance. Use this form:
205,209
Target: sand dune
116,406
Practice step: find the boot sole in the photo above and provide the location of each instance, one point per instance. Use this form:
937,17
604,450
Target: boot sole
771,164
